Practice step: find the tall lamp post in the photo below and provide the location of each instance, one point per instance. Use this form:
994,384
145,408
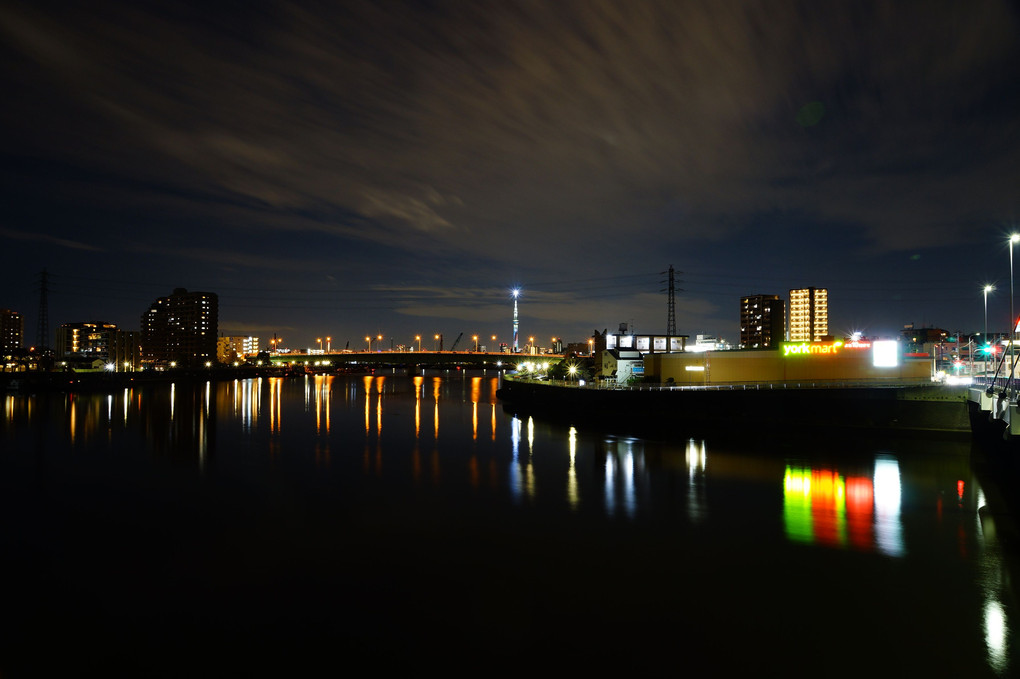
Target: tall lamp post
369,340
1012,319
418,338
988,289
328,346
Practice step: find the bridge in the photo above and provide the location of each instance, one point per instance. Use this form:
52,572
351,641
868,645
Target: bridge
992,402
413,359
993,410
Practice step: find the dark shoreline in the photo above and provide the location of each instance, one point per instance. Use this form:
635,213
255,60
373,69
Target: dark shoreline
34,382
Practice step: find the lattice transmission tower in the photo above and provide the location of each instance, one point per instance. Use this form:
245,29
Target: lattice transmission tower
671,291
671,305
42,330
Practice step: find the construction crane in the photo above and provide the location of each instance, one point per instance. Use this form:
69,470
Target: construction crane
454,347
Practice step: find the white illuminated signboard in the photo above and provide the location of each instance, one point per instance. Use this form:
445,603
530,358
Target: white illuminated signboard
885,353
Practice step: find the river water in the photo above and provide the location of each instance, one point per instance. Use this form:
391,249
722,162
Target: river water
408,522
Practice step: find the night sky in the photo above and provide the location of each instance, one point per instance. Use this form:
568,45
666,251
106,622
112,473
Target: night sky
366,168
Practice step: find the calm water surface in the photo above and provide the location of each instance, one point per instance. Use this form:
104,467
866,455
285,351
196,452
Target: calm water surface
324,524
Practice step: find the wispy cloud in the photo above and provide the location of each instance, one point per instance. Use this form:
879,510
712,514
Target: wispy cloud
49,239
545,135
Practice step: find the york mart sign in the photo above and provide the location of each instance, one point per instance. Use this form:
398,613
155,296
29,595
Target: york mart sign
810,348
884,353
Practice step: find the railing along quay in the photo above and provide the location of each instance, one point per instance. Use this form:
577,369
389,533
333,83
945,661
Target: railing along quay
743,386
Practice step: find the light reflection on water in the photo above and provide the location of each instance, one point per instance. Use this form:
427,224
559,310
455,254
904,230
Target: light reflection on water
332,434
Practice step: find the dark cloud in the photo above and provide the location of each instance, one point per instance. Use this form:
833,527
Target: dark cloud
451,144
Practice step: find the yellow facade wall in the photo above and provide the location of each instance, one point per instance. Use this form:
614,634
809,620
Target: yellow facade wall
722,367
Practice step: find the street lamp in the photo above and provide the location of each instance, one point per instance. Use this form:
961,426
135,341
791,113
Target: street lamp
591,347
418,340
475,338
378,339
988,289
369,340
328,339
1012,319
435,345
319,340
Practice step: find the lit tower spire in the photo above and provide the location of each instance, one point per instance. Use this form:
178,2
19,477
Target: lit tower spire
516,293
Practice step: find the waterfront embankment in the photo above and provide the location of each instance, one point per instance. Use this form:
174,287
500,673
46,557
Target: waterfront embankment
936,409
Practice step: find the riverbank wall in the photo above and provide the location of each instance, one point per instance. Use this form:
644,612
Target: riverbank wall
761,409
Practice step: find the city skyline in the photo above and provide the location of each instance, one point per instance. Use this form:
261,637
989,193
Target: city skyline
359,170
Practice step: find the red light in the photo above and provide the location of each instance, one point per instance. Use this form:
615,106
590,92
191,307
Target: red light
959,489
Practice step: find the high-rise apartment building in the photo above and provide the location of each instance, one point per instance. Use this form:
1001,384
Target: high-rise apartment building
91,339
12,331
180,329
762,321
809,314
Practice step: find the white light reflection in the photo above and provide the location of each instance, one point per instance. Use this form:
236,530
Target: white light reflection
621,468
610,484
629,493
127,397
515,468
246,407
531,436
888,529
528,479
172,393
995,635
573,494
994,581
696,504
